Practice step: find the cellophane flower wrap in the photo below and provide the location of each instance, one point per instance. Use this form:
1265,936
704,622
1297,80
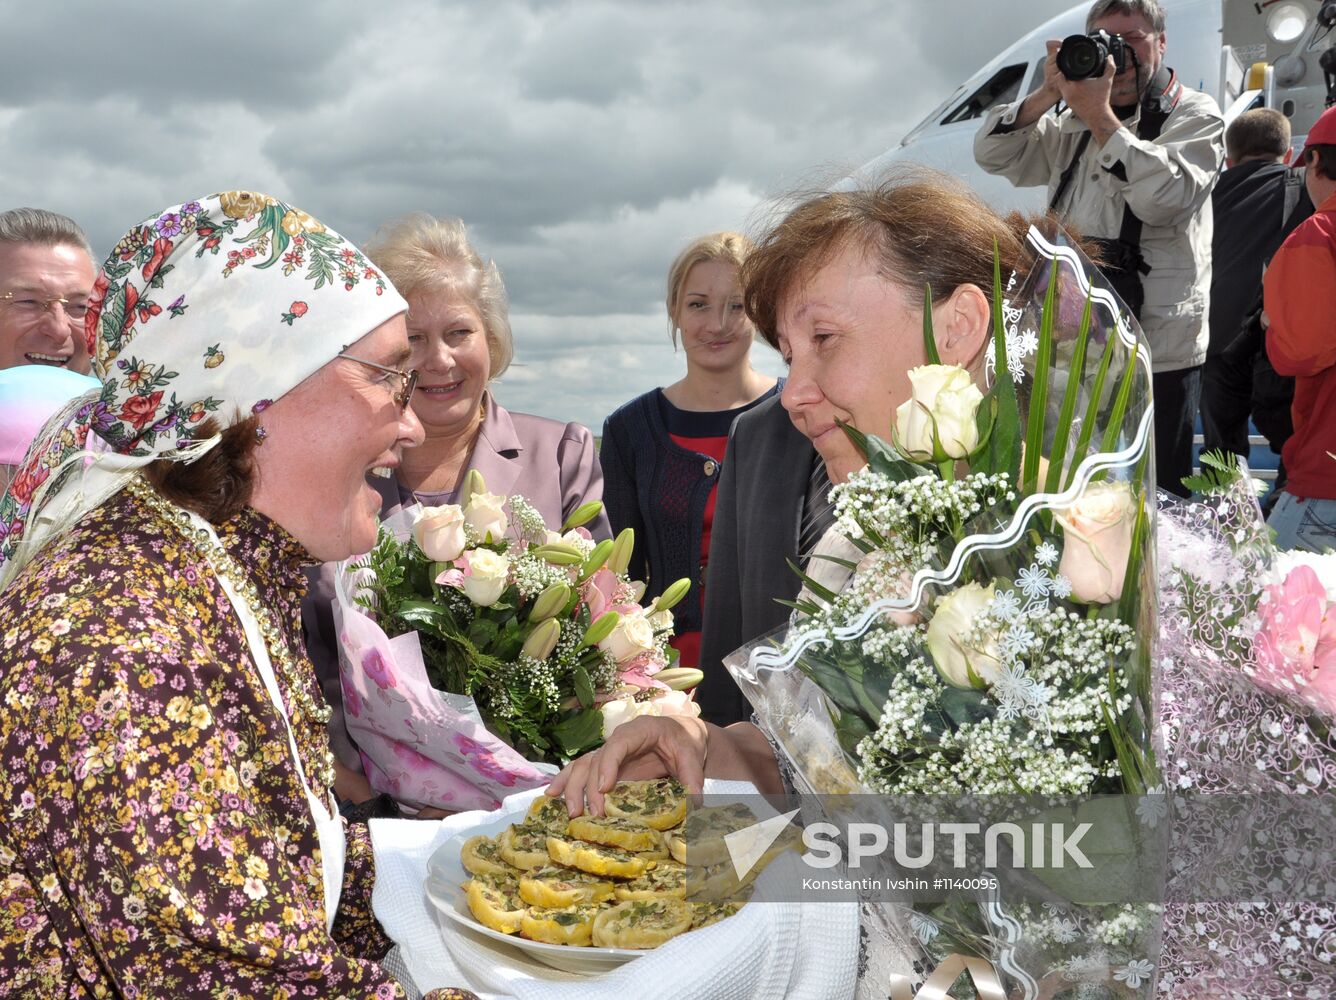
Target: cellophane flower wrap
479,648
1248,644
976,622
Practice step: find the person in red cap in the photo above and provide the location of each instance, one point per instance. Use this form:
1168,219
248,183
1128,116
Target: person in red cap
1298,290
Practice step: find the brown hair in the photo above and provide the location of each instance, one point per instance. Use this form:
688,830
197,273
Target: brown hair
1256,134
1322,159
726,247
217,485
923,229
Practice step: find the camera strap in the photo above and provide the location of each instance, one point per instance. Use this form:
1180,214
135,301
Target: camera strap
1162,97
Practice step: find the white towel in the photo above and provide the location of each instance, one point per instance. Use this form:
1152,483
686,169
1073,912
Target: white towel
801,951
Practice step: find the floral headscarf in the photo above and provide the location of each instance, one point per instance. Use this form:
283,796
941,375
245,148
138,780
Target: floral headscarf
214,308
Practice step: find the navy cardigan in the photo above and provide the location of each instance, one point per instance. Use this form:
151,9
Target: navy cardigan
660,489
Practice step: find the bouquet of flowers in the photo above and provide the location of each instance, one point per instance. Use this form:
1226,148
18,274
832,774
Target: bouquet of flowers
476,642
977,622
1248,642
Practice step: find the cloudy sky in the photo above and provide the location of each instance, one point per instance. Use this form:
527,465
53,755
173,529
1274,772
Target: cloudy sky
583,142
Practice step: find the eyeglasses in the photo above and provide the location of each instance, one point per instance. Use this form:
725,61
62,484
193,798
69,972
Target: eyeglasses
28,307
407,380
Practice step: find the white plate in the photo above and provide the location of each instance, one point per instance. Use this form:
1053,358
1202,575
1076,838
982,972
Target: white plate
445,880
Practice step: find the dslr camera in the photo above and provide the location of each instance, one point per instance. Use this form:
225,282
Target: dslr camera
1082,57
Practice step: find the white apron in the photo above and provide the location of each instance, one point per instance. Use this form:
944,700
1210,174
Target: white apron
328,822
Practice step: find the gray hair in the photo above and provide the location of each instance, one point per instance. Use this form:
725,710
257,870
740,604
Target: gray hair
420,252
49,229
1150,10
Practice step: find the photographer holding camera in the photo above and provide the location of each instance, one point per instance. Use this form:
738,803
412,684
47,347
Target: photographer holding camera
1129,162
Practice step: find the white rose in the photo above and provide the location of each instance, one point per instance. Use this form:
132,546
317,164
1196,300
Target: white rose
485,513
487,575
1097,541
955,616
944,396
632,636
669,703
661,621
439,532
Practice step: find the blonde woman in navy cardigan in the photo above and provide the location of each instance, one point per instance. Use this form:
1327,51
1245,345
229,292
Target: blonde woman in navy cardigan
663,451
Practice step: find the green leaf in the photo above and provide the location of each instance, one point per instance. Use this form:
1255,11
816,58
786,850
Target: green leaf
1219,472
1131,593
1004,445
1092,410
1120,402
929,340
881,457
584,687
1069,397
582,731
825,593
1034,434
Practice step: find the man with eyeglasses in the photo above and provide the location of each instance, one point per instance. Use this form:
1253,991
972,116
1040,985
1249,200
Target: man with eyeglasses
1130,162
46,276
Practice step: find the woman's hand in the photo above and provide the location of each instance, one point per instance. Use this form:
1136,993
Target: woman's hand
647,747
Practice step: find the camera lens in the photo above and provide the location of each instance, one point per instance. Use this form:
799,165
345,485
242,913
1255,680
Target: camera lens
1081,57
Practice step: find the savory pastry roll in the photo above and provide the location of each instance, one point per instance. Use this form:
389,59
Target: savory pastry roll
573,925
630,835
495,902
660,803
667,880
482,856
523,846
597,859
641,923
555,887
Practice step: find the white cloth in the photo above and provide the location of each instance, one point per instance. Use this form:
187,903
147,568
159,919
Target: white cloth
799,951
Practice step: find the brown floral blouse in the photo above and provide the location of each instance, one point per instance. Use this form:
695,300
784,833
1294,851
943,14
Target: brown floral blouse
155,840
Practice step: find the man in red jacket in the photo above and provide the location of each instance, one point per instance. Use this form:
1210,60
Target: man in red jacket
1299,289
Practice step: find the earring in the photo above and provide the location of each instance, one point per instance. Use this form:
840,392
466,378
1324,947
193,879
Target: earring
260,434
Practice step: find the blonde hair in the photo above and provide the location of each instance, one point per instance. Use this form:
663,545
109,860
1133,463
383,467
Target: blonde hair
422,253
727,247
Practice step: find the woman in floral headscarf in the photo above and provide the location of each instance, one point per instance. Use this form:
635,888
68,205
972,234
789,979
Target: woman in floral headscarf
167,823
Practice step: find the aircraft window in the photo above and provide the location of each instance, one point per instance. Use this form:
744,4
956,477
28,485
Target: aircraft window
1036,77
1002,87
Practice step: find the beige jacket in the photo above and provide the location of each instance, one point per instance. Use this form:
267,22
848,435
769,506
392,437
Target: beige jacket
1168,184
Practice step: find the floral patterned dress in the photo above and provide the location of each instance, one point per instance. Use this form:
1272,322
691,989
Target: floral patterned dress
155,839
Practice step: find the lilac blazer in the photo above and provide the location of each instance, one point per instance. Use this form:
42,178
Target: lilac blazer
551,464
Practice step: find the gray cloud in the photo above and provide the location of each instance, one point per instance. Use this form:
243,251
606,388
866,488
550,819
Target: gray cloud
583,142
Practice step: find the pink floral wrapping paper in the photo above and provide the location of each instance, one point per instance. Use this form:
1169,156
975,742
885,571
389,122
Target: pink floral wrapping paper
421,746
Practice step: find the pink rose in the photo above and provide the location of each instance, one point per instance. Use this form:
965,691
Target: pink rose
1295,647
599,591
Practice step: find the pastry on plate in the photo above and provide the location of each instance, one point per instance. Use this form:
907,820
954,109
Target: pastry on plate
628,834
571,925
667,880
641,923
523,846
549,813
597,859
700,839
495,902
482,856
555,887
660,803
704,914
